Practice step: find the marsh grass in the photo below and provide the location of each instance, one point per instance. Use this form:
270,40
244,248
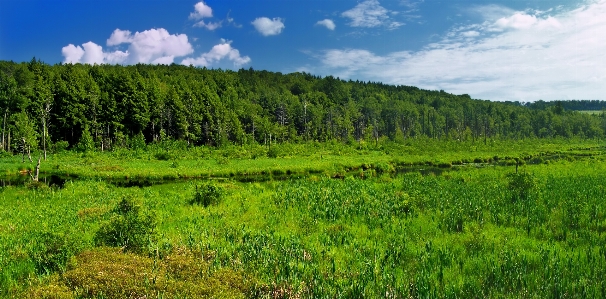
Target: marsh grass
481,231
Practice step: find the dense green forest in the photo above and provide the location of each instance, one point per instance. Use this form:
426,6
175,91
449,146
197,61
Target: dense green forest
103,106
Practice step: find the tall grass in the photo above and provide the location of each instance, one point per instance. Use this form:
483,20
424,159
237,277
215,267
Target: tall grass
476,232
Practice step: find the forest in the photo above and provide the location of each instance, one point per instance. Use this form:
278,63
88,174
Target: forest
103,106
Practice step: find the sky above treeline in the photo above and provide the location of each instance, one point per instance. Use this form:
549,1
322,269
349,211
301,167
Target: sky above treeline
513,50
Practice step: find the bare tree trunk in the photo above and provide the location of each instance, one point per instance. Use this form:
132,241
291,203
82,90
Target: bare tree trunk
23,151
44,137
4,147
37,173
29,153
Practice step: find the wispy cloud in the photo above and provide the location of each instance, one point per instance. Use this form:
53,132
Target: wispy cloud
267,26
369,14
511,55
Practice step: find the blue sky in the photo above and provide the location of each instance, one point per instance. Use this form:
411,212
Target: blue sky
496,50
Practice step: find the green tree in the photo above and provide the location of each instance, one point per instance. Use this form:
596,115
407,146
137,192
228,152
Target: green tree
25,136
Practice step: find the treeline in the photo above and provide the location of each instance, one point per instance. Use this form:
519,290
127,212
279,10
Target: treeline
103,106
576,105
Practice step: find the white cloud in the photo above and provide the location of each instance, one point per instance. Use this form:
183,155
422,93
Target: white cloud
72,53
533,56
219,52
470,33
116,57
164,60
201,11
370,14
491,12
93,53
149,46
210,25
328,23
119,37
267,26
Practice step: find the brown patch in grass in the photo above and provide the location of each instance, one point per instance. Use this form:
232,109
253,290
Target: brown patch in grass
92,213
111,273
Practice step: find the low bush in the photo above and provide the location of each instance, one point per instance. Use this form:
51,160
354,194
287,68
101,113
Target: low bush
207,194
51,251
130,227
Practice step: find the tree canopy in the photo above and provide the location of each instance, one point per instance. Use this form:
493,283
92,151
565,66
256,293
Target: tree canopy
111,104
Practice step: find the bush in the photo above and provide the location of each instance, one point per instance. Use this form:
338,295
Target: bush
522,186
50,252
163,156
384,168
137,142
273,152
60,146
86,142
207,194
130,227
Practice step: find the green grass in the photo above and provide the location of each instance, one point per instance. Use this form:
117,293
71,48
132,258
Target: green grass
162,162
471,232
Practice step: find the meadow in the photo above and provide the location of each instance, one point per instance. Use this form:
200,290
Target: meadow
505,219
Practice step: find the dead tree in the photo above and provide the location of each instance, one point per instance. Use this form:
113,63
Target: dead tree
37,173
45,114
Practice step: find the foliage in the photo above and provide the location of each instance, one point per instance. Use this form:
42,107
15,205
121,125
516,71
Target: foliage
110,273
207,194
60,146
130,106
523,186
86,142
417,231
130,227
51,252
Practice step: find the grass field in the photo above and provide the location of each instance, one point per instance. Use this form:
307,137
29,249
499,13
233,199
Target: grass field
341,222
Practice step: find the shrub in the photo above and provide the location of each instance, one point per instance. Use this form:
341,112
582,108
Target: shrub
137,142
384,168
60,146
50,252
86,142
273,152
207,194
130,227
522,186
163,156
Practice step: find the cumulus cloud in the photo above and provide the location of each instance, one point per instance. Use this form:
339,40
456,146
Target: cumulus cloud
531,56
328,23
119,37
222,51
201,10
370,14
149,46
72,54
267,26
